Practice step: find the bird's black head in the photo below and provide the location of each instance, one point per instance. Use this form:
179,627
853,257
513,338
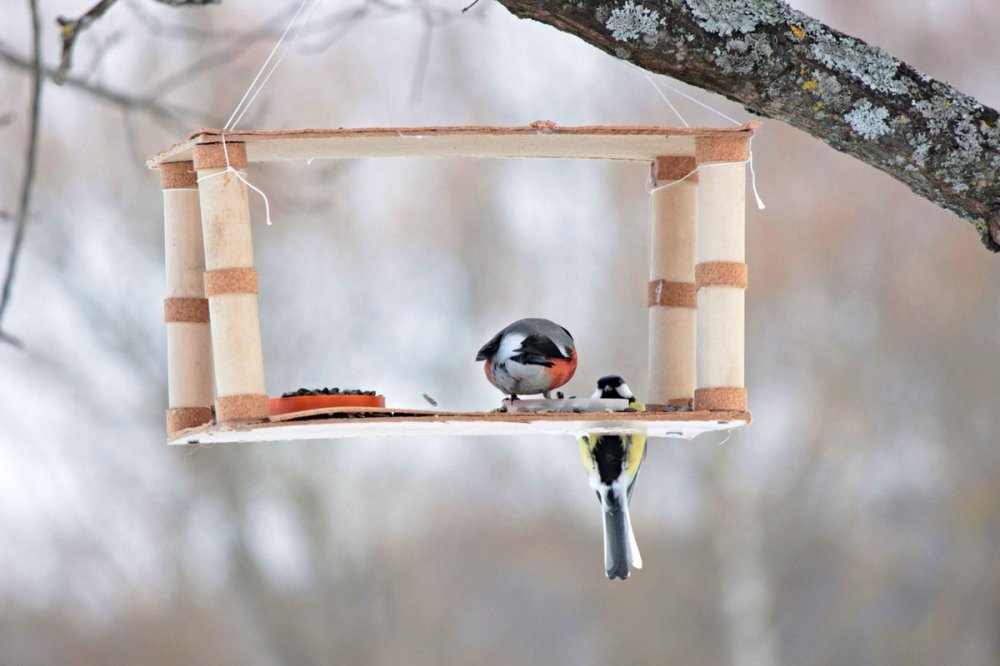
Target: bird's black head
613,386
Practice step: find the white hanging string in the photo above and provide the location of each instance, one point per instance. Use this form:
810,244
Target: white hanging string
234,121
753,174
243,103
700,103
651,185
229,169
682,94
753,180
255,88
666,99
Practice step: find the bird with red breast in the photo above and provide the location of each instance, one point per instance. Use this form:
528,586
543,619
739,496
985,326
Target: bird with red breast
529,356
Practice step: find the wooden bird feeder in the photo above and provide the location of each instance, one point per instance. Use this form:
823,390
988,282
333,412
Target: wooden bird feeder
696,291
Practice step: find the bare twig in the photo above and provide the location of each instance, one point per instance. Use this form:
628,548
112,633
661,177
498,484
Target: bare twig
70,29
229,51
469,6
11,340
128,124
432,19
325,34
100,52
329,31
332,31
30,162
155,26
423,59
185,116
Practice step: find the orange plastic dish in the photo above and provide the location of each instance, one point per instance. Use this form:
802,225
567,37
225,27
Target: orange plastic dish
301,403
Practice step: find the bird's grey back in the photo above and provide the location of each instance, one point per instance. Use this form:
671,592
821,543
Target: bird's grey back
538,326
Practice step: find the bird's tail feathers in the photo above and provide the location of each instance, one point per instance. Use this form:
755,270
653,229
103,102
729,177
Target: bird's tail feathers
620,548
615,545
634,558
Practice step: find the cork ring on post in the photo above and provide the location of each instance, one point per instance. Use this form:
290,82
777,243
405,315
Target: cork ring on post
721,273
185,310
231,283
213,330
672,296
698,278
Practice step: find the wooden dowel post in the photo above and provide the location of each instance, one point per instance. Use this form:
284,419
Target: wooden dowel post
672,294
721,273
190,388
231,284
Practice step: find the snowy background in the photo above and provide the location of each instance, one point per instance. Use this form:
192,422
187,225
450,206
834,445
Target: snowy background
856,521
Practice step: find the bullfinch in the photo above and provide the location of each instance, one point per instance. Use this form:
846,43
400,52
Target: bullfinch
529,356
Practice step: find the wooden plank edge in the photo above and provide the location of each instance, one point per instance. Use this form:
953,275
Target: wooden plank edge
738,419
180,151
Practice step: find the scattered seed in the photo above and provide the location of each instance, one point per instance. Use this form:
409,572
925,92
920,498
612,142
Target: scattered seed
326,391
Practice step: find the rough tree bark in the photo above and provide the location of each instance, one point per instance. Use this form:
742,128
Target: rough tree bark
782,64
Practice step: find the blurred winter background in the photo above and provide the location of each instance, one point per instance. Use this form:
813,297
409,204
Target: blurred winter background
857,521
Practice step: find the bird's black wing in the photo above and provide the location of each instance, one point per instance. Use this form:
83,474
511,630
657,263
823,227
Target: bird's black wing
490,348
537,350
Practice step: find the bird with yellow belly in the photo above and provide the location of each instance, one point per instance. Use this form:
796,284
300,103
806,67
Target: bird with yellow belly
612,462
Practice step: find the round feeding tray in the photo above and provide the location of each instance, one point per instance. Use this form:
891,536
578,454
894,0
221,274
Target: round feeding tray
302,403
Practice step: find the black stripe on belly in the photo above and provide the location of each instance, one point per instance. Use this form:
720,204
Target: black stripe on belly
609,453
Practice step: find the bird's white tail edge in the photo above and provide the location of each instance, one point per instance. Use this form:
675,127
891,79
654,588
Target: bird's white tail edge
634,558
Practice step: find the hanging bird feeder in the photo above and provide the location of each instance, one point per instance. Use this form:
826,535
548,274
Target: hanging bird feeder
695,295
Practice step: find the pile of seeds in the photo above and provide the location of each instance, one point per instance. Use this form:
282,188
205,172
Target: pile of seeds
326,391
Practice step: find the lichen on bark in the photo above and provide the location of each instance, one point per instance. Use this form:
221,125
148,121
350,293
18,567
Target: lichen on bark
782,64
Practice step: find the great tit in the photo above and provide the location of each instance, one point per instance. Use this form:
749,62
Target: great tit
612,463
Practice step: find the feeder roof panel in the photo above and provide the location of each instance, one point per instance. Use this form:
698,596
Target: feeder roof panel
539,139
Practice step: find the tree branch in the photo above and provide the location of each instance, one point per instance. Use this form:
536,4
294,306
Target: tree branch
70,29
227,52
30,161
182,116
782,64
